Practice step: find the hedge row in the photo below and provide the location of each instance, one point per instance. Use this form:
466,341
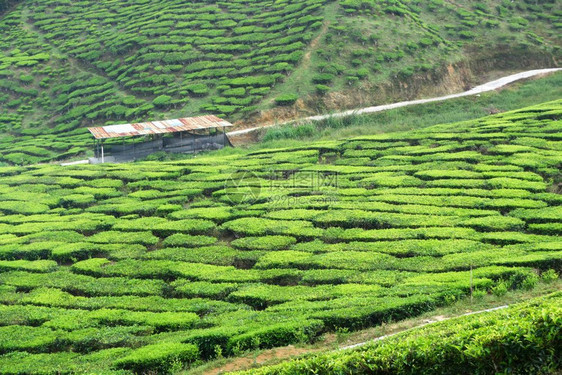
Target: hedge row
524,338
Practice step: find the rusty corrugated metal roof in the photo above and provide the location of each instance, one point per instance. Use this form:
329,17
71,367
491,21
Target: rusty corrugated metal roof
158,127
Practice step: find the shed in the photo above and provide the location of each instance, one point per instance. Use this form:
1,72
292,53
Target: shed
182,135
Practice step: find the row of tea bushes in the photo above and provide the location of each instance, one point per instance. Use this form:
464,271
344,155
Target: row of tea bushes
524,338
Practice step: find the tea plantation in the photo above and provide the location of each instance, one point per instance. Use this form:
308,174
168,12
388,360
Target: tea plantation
65,65
153,266
526,338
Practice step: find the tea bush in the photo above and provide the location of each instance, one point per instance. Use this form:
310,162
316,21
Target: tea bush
159,357
264,243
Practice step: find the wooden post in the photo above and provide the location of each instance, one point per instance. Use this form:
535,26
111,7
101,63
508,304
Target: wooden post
102,158
471,290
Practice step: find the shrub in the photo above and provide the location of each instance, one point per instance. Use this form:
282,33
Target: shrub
198,89
238,92
183,226
530,281
82,284
73,251
500,289
322,78
26,265
186,240
259,226
220,255
90,266
190,289
78,200
211,342
495,223
144,238
159,320
17,337
370,311
159,357
264,243
137,224
218,214
322,89
23,207
546,228
549,276
276,335
541,215
286,99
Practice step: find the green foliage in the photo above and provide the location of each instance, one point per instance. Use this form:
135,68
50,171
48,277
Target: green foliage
162,101
322,89
539,215
144,238
19,207
151,266
158,357
32,266
184,226
276,335
264,243
187,240
500,289
259,226
287,99
495,223
323,78
549,276
191,289
520,339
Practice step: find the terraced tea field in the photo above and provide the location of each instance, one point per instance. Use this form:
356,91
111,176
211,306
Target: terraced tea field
65,65
155,265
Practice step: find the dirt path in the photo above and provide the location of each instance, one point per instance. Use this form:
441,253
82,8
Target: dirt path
437,319
489,86
314,44
288,352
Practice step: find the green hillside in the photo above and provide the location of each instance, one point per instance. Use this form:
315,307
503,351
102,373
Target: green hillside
522,339
67,64
152,266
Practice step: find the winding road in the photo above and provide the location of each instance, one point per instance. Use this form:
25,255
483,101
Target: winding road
489,86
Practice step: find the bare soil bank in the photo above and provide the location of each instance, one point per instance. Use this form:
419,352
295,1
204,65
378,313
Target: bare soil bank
448,79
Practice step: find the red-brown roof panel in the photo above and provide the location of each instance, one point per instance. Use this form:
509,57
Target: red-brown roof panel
158,127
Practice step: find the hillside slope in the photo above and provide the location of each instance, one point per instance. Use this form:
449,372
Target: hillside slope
155,265
65,65
523,339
